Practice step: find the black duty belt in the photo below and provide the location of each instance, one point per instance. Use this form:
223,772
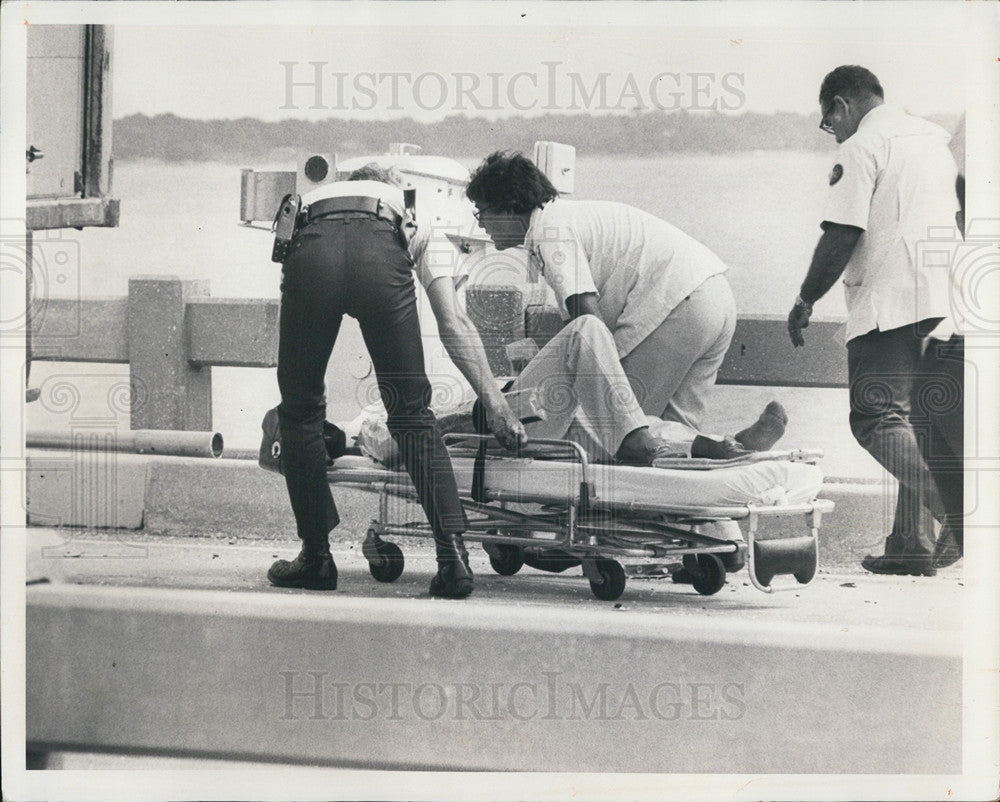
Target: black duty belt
346,205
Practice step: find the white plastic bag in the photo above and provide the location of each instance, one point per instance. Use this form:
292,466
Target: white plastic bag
375,441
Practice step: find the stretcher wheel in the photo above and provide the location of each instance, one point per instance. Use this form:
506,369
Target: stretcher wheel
612,584
506,560
708,574
391,567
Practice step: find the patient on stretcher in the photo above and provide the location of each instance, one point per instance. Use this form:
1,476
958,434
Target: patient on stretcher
579,385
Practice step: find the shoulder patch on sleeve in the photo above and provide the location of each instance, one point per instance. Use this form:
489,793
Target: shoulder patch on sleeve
835,174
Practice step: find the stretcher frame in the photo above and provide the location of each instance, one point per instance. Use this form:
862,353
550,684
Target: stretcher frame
599,533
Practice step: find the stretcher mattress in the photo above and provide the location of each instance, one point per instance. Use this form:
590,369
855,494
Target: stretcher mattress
765,483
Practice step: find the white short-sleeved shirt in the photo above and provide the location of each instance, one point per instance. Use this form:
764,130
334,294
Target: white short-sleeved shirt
432,253
640,266
895,179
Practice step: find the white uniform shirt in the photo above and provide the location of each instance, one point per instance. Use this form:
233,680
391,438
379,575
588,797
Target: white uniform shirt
640,266
432,253
895,179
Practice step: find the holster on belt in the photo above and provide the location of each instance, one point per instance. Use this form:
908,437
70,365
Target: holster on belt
285,222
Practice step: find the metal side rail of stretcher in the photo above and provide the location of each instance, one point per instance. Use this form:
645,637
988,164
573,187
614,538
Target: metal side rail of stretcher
599,533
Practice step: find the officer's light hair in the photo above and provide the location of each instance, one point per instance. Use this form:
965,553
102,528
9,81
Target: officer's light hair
849,81
373,172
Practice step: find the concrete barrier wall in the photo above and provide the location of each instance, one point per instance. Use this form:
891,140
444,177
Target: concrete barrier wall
344,681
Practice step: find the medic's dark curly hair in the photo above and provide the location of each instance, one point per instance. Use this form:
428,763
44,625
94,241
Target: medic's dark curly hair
509,182
849,81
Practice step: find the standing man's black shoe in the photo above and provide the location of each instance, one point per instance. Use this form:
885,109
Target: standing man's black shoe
899,566
310,571
452,581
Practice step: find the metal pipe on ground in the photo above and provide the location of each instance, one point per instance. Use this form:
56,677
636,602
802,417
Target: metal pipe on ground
162,442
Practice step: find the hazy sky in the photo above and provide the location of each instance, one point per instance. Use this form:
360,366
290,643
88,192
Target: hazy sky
429,71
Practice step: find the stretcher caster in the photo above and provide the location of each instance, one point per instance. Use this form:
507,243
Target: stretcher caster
385,559
706,572
795,556
505,559
555,561
611,583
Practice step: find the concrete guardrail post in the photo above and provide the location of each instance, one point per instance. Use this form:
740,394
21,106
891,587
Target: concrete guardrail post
168,392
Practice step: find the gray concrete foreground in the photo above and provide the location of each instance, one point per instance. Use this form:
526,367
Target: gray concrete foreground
179,646
849,600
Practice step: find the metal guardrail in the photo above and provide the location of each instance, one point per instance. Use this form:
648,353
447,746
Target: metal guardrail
171,332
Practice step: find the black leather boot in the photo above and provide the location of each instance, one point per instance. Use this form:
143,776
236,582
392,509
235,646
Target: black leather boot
454,577
313,569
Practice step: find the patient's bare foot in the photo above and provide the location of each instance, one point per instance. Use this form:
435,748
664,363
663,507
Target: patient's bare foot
767,429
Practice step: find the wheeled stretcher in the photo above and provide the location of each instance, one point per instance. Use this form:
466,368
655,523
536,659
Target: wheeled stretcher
553,509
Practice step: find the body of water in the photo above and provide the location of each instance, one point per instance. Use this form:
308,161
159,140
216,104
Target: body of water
759,211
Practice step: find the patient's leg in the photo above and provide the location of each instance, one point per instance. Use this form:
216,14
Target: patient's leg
582,388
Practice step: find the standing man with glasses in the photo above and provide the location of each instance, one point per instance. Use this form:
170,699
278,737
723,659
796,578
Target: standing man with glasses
892,184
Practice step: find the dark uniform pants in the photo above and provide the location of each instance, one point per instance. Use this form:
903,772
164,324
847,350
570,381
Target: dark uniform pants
354,264
939,417
884,375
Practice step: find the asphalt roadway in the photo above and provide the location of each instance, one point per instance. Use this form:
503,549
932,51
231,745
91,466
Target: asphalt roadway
840,598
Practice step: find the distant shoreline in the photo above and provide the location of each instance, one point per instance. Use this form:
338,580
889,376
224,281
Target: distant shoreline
173,139
244,160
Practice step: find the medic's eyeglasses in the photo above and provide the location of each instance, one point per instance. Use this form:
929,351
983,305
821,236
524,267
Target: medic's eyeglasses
478,213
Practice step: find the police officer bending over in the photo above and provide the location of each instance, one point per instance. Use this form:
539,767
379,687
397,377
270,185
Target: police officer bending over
351,254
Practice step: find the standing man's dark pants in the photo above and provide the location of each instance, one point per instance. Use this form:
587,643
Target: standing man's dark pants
883,371
353,263
938,407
